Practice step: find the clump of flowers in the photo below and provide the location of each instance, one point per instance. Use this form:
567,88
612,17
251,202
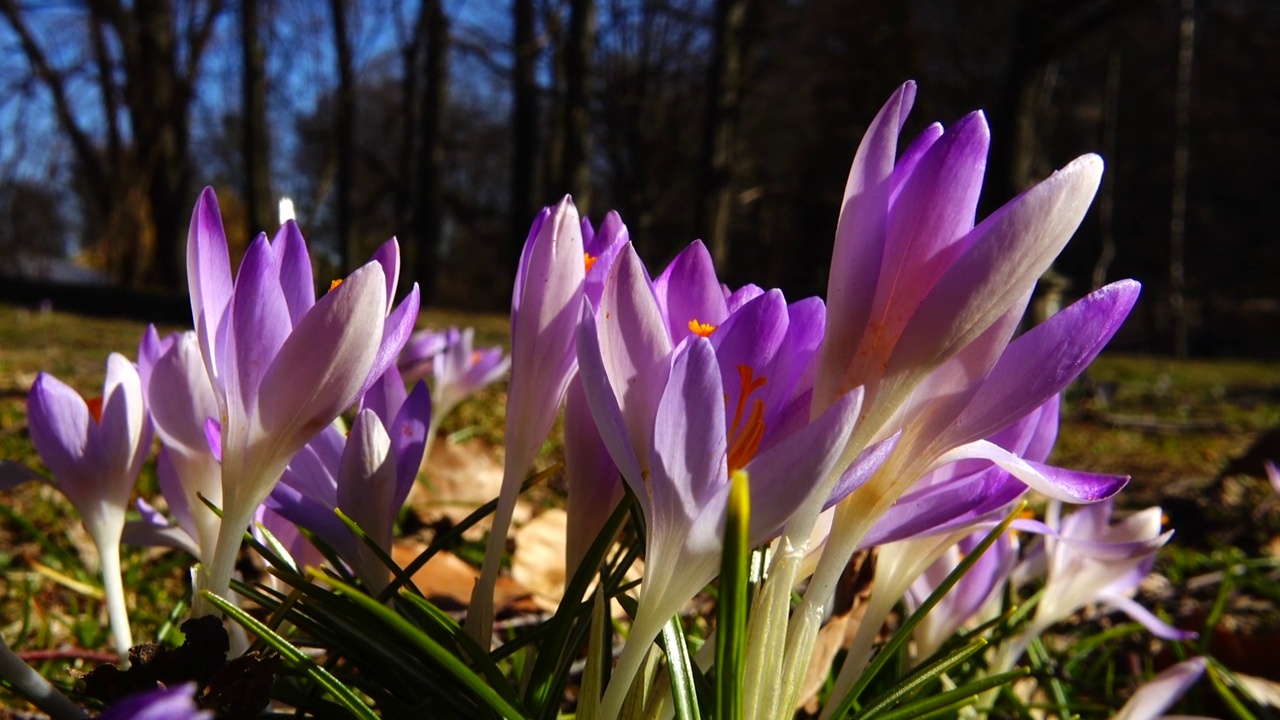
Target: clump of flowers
730,437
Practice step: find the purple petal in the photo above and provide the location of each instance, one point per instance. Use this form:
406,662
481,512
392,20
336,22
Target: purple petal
1006,254
162,704
213,436
208,274
590,476
124,434
1158,627
687,462
13,474
910,158
784,476
325,361
395,333
367,487
408,433
388,256
180,396
859,243
259,321
1060,484
635,346
688,290
1152,699
862,468
58,420
296,278
1042,362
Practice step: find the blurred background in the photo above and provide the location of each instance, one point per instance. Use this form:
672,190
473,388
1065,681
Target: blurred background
450,122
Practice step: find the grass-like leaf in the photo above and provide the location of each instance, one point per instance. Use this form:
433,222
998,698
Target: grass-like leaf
899,638
731,623
500,703
680,669
947,702
294,656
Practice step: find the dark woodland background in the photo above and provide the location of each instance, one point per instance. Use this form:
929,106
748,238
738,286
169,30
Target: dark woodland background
448,123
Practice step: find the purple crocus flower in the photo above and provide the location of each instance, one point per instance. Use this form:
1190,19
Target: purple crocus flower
544,316
163,703
366,473
457,368
283,364
677,421
1089,560
95,451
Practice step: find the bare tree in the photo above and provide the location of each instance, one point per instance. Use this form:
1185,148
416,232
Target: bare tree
524,121
255,145
344,130
139,183
724,92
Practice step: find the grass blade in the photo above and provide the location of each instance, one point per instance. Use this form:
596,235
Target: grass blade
731,625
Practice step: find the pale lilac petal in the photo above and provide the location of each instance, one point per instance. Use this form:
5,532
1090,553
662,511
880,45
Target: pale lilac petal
1149,620
1006,255
1152,699
208,274
1060,484
325,361
604,403
688,290
945,507
153,530
688,477
604,245
150,349
180,396
58,420
171,488
635,346
125,430
522,268
1273,474
543,320
396,330
388,256
743,295
367,487
859,243
296,277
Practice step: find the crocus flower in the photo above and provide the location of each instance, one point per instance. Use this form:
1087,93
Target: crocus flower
1090,560
163,703
922,303
457,368
677,421
95,451
283,365
544,315
367,474
1165,689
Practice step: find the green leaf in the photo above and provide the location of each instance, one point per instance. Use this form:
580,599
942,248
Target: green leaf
899,638
502,703
731,625
294,656
684,690
944,703
921,677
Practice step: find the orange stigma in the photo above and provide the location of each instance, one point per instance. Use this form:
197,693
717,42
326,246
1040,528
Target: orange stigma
95,408
589,260
334,285
702,329
746,433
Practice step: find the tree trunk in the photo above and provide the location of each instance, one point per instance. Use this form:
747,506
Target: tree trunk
344,133
429,208
721,130
1181,168
255,140
575,165
524,120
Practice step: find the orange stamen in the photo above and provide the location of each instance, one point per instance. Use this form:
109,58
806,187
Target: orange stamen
589,260
745,435
701,329
95,408
333,285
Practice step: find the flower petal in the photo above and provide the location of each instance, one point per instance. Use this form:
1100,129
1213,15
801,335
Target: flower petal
296,278
208,274
688,290
1060,484
58,420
